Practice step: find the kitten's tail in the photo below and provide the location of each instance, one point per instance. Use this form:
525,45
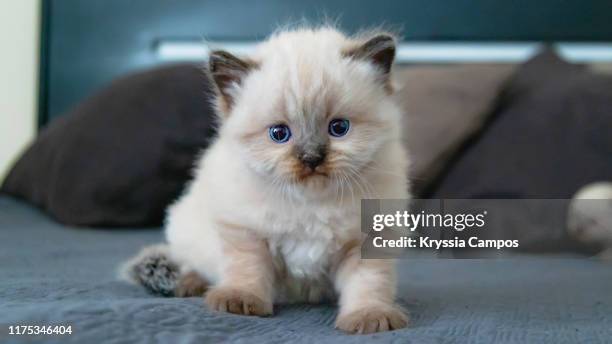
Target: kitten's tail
154,269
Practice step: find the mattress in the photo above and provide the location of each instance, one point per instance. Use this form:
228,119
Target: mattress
56,275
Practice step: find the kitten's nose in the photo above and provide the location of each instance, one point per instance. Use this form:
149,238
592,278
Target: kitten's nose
312,160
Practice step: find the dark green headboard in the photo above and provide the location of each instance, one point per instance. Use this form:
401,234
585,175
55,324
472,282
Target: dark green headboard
86,43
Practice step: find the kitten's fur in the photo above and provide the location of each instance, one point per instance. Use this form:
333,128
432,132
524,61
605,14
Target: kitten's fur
260,228
590,217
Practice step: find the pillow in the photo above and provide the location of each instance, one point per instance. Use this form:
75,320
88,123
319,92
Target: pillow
445,106
120,157
549,136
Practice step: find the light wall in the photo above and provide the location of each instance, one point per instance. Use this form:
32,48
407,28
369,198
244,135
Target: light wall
19,39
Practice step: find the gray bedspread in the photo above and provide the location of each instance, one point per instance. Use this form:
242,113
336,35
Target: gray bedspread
51,274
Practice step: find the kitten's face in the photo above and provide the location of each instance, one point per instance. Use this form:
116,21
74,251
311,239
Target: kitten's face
313,117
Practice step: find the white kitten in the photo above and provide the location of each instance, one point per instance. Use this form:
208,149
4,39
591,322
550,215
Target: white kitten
590,217
307,129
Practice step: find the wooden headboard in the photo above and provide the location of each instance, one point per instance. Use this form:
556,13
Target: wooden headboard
85,44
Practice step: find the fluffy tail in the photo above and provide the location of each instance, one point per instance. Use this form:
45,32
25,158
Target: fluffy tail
153,269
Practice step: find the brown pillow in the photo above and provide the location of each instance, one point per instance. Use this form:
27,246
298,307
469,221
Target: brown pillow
548,137
445,106
123,154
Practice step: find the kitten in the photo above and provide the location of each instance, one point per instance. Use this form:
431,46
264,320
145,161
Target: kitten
307,129
589,218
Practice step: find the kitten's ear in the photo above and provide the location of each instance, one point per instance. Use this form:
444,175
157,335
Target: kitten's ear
379,50
228,72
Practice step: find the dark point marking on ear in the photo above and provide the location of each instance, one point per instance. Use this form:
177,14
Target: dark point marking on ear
378,50
228,71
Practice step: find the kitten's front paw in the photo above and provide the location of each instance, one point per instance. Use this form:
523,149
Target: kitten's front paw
236,301
372,319
190,285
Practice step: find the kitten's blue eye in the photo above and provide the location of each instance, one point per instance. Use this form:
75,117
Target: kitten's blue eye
279,133
339,127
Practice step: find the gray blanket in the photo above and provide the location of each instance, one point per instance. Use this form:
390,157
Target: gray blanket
51,274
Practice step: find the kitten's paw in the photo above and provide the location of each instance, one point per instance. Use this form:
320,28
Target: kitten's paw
236,301
191,284
378,318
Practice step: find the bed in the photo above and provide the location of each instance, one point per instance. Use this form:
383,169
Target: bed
52,274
